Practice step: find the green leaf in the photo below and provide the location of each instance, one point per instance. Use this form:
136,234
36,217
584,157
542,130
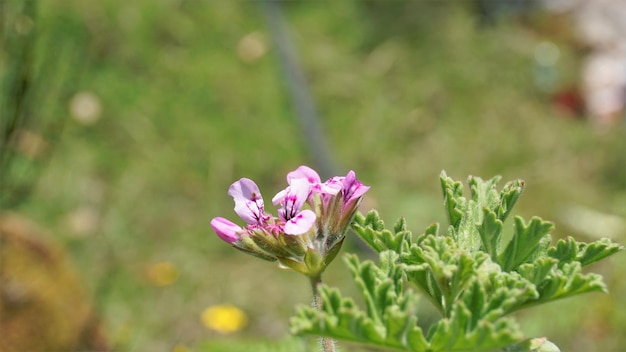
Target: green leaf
452,192
432,230
453,334
568,250
380,239
506,292
526,242
567,281
598,250
565,251
508,197
468,274
389,320
537,271
484,193
490,231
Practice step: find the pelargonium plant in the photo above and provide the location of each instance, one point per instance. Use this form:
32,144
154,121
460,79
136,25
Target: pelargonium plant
469,273
303,239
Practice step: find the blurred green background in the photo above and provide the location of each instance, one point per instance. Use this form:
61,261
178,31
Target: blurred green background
165,103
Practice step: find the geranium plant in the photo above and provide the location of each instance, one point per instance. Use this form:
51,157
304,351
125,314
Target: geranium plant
302,239
471,275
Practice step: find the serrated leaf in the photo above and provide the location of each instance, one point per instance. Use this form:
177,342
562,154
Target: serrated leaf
525,242
400,225
484,193
452,191
389,320
508,197
382,239
592,252
475,299
452,334
565,250
566,281
568,250
373,220
538,270
490,231
465,273
507,291
433,229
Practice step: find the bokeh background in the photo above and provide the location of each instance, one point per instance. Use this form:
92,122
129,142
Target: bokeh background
136,116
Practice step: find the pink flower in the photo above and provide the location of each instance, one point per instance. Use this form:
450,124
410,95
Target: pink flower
305,240
317,186
304,172
248,201
300,223
226,230
353,190
292,199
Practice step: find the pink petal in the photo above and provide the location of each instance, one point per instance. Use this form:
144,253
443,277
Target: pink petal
280,196
292,198
248,200
249,211
332,186
245,189
226,230
299,190
353,188
301,223
304,172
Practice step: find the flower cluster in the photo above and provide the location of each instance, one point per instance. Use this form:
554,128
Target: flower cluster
311,223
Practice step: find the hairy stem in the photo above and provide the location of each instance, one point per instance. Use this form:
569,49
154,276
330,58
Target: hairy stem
327,344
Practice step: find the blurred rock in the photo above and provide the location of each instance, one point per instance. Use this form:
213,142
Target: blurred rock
43,305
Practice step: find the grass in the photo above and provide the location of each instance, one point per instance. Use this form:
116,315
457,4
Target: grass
404,90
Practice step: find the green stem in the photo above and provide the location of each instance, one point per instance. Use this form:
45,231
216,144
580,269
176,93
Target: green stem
327,344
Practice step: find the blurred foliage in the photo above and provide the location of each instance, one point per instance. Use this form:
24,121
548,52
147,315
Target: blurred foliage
37,70
167,104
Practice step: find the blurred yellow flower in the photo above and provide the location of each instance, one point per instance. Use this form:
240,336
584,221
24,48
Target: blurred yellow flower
224,318
162,273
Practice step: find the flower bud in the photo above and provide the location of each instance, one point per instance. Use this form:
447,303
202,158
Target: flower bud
226,230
